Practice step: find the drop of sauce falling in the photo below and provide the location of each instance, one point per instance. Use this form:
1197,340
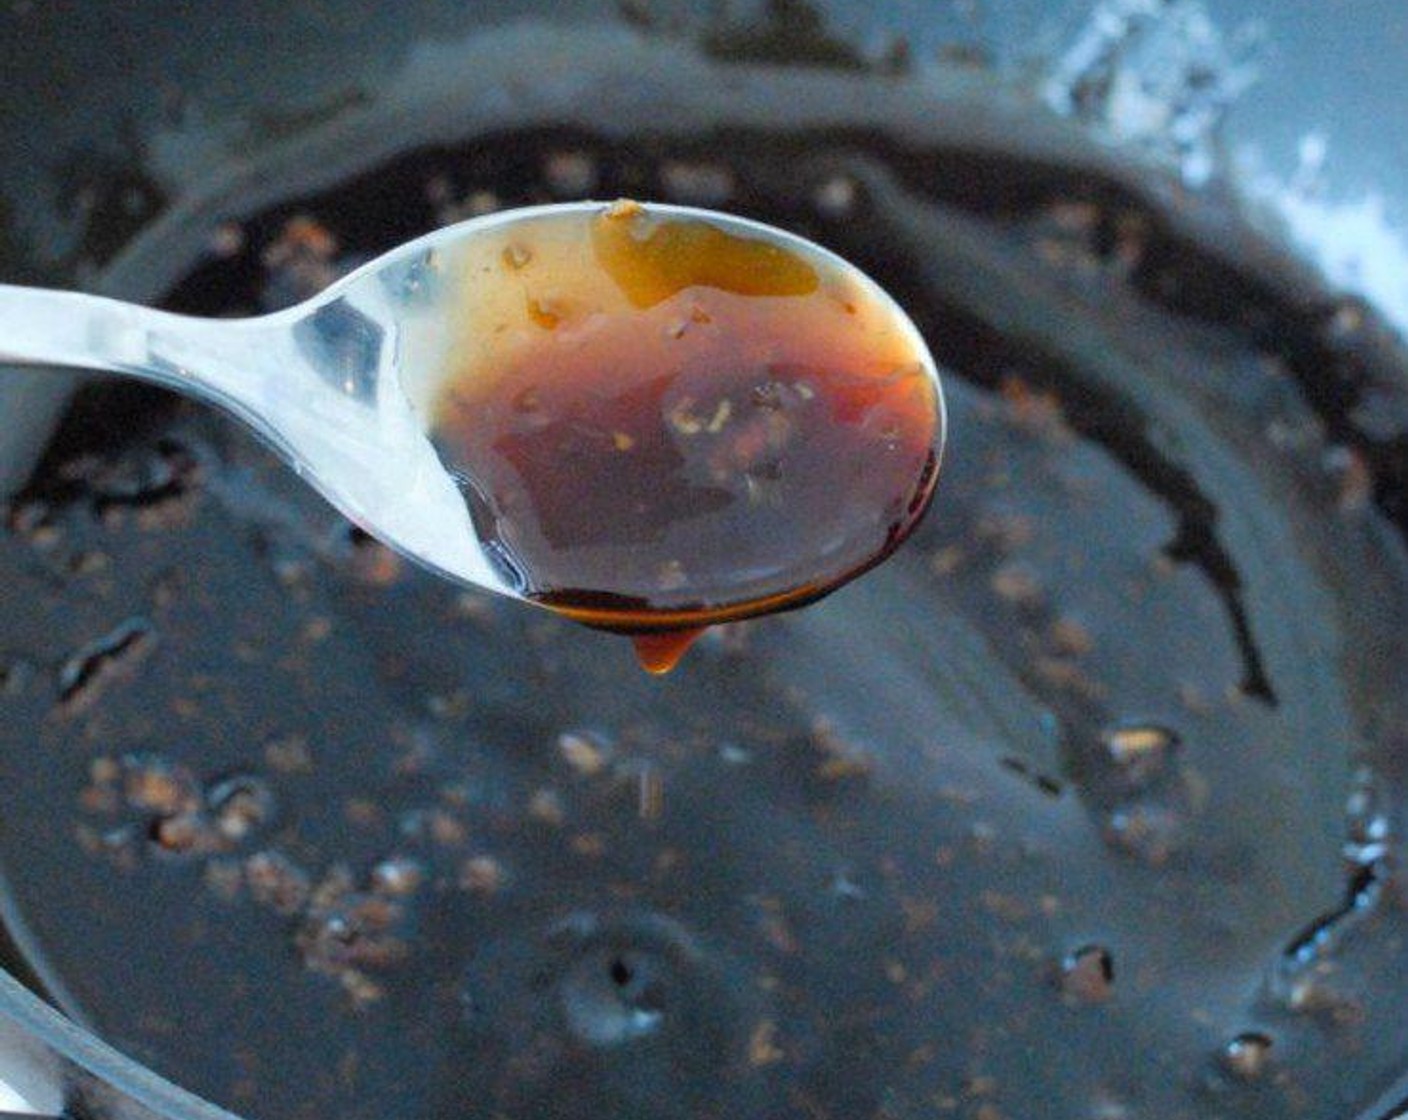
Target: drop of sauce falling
670,424
659,651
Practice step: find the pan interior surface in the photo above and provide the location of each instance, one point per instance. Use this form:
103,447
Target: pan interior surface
1090,796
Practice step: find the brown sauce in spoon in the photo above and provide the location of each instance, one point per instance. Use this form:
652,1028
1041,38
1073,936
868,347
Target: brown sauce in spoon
670,425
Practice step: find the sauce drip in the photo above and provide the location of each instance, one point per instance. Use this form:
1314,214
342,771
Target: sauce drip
659,651
669,424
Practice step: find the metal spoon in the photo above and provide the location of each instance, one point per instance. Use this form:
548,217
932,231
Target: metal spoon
341,385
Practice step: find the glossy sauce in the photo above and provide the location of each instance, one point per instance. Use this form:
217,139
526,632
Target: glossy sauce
670,425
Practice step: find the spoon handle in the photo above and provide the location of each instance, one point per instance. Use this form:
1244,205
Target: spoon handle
42,327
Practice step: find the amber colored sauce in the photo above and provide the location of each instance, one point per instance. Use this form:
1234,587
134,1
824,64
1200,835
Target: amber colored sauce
670,425
659,651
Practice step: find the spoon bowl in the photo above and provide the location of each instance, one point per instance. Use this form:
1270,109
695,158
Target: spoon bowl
349,388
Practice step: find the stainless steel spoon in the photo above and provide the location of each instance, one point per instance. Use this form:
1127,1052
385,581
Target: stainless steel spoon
341,386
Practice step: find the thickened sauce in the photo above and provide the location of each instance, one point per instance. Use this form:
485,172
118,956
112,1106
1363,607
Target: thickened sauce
662,424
